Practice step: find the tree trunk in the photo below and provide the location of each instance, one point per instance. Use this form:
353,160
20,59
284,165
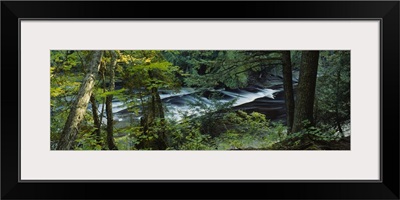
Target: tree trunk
154,110
96,119
157,103
338,101
288,88
80,104
306,90
110,121
104,99
159,113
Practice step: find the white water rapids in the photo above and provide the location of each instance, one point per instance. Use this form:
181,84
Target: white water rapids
186,102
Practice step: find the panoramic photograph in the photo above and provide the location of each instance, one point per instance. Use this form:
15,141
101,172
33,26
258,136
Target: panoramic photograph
199,100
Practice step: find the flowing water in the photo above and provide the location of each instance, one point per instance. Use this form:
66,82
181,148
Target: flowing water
190,102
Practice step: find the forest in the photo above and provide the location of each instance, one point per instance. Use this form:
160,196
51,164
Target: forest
199,100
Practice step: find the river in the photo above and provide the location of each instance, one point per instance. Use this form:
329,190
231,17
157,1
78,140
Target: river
189,102
268,100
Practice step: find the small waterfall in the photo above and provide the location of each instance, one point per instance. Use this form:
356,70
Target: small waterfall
243,96
183,91
187,102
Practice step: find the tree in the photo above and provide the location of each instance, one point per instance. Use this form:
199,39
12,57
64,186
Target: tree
333,89
288,88
145,72
342,90
80,104
96,118
110,120
306,90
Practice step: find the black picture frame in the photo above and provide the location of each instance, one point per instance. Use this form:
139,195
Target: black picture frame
13,11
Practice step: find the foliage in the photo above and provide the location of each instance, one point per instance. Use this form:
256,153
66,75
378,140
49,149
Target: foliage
332,104
142,72
209,115
222,68
65,77
311,138
87,139
248,131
